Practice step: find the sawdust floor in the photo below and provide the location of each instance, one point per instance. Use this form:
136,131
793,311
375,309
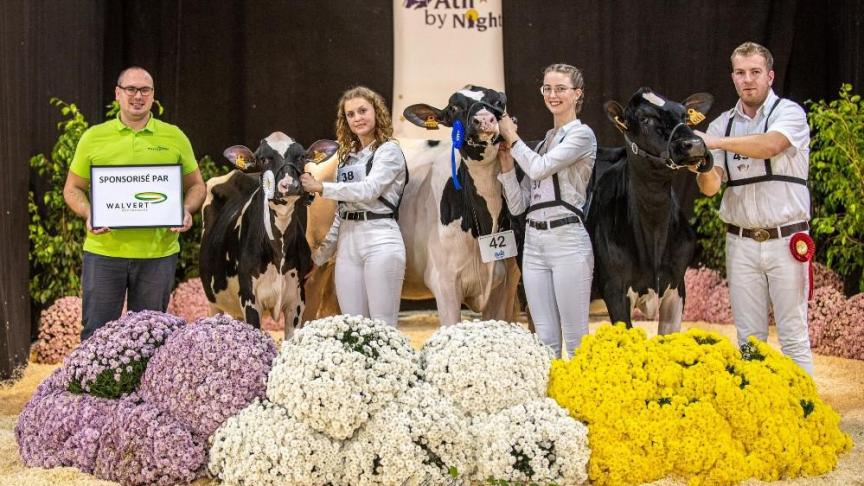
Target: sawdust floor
840,382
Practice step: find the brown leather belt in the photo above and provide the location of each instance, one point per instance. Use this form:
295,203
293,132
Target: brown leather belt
765,234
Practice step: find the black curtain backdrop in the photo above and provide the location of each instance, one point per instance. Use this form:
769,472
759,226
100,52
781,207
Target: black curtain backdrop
233,71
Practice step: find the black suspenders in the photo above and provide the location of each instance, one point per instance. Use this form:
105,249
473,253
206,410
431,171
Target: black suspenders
557,201
769,174
384,201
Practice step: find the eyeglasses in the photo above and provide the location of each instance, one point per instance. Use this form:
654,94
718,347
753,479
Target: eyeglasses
132,90
546,90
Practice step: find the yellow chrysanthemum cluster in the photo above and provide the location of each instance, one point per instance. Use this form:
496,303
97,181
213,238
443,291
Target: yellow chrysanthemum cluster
693,405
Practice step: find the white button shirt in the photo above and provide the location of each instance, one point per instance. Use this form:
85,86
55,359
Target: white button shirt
570,152
767,204
387,178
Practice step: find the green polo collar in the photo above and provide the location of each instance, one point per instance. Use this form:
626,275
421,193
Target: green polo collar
149,127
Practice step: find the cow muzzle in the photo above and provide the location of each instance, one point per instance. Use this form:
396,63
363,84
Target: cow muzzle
289,186
692,152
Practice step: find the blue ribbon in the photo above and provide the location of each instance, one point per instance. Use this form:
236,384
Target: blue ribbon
457,136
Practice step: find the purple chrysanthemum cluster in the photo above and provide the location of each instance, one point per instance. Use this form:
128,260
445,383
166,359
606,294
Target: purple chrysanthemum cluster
128,440
209,371
109,364
141,444
58,428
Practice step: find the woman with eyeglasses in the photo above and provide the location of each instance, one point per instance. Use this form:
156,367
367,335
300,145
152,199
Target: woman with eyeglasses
372,173
558,262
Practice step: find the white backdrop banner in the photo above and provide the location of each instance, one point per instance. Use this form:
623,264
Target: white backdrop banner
440,46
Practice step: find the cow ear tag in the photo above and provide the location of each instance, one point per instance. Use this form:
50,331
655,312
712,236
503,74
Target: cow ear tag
620,125
317,156
268,182
431,123
694,117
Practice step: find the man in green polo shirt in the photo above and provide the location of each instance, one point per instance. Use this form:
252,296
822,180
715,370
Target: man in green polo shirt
140,261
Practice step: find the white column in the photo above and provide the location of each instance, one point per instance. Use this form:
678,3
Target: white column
440,46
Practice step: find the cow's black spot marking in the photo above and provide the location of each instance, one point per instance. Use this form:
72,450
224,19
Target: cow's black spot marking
433,143
466,204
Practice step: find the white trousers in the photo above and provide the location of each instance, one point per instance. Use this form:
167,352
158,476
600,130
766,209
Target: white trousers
557,268
370,269
760,274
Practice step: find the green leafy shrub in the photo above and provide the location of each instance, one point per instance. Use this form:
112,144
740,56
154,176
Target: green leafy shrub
710,233
190,241
56,233
837,182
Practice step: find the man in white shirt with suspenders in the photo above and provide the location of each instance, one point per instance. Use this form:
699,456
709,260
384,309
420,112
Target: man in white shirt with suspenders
761,149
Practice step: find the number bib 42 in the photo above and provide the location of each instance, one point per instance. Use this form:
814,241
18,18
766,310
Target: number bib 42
497,246
351,173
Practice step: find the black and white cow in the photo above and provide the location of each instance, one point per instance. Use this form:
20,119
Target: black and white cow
440,224
642,241
254,253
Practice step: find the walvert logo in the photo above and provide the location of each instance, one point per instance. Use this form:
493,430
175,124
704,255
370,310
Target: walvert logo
151,197
456,14
158,148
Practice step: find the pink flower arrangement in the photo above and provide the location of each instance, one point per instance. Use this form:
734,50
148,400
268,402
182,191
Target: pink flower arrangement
700,285
59,330
209,371
189,301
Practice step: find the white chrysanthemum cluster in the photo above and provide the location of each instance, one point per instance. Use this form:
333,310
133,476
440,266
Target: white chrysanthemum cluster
264,445
420,438
536,442
336,372
486,366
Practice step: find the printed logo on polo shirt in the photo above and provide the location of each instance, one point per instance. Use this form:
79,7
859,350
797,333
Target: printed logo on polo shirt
456,14
157,148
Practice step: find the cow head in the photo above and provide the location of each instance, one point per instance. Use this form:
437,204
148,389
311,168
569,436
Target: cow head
279,160
476,108
659,130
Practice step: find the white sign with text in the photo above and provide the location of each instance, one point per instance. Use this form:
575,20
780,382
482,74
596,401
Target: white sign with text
136,196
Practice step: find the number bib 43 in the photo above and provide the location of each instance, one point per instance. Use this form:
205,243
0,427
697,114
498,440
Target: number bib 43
497,246
351,173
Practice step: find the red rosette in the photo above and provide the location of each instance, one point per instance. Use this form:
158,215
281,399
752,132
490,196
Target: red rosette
802,247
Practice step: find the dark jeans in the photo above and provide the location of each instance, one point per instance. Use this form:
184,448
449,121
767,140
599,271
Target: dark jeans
106,280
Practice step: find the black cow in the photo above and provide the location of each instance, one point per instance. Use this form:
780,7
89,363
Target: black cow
254,253
641,238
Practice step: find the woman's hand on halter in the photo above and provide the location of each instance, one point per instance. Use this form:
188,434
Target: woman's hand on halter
505,158
309,183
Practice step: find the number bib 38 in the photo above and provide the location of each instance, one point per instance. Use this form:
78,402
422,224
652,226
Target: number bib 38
351,173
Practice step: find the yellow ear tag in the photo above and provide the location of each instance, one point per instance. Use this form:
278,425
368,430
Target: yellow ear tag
240,162
621,125
318,156
694,116
431,123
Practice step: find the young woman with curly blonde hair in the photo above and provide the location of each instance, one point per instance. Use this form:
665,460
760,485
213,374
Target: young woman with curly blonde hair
372,173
